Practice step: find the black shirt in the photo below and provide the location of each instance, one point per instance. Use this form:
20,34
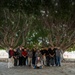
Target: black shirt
43,51
33,53
15,54
47,53
52,52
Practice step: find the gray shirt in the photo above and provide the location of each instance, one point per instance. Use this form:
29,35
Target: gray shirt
30,54
19,52
38,54
58,52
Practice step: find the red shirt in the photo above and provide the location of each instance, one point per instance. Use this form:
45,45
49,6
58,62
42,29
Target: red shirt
24,53
11,53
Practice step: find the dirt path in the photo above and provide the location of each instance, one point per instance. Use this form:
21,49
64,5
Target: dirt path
65,69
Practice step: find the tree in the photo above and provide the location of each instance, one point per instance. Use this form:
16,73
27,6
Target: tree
60,21
55,21
14,28
9,29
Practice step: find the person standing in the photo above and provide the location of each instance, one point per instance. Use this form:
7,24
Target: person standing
43,56
11,60
58,53
11,52
38,54
52,56
24,54
15,57
55,48
33,56
29,58
19,50
47,57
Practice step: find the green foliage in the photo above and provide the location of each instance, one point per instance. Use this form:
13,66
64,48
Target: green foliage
37,19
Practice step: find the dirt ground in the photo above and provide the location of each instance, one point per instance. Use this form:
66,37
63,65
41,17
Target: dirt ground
67,68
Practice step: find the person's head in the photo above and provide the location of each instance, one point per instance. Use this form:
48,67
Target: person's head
38,50
49,47
22,47
46,48
14,50
25,49
38,58
58,48
10,48
34,49
52,48
55,47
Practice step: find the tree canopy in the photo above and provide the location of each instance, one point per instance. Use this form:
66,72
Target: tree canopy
37,22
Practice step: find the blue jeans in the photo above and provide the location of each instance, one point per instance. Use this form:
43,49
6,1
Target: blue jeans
35,67
58,61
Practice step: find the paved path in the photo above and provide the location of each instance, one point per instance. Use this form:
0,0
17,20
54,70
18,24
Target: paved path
65,69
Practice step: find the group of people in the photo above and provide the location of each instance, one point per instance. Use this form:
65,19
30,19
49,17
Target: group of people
36,58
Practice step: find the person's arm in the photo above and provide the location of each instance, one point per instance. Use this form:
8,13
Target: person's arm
61,51
51,55
54,54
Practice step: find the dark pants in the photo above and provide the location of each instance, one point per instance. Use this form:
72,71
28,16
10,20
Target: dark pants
20,61
15,61
55,60
24,61
48,60
52,61
35,67
33,60
58,61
